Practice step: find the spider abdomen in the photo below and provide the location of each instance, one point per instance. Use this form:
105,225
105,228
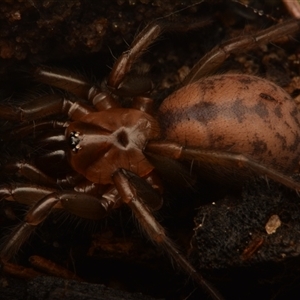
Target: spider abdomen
235,113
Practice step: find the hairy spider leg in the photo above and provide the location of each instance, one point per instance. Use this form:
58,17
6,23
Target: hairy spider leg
226,159
210,62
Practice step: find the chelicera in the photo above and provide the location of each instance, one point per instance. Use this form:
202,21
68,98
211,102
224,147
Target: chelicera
216,121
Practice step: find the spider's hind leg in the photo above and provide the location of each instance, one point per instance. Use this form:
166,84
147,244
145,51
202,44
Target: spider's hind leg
131,196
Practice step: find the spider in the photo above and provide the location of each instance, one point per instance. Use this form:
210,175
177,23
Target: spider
112,150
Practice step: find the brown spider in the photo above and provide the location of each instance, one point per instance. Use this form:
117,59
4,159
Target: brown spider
214,121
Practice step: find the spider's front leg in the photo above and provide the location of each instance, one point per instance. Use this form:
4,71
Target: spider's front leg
45,106
120,82
44,201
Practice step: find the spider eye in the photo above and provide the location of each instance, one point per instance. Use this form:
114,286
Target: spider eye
74,141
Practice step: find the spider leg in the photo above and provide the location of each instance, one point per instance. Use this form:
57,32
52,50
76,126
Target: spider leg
98,96
24,130
80,204
118,82
66,80
34,174
29,171
140,44
223,159
101,99
121,81
78,85
209,63
154,230
45,106
24,193
124,63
